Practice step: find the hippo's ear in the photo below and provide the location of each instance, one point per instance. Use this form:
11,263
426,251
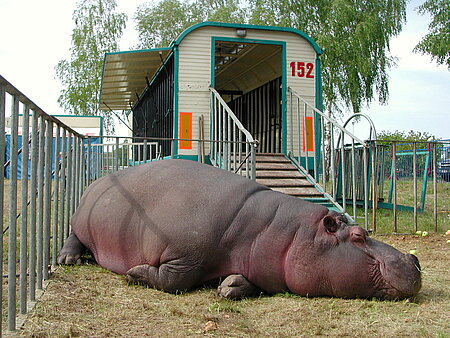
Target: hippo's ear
330,224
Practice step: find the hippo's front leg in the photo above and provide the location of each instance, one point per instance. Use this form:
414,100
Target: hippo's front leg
72,250
171,277
237,287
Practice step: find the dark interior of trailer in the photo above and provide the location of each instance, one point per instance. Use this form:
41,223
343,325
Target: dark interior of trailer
153,114
248,76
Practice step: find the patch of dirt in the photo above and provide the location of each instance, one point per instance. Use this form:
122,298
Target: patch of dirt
90,301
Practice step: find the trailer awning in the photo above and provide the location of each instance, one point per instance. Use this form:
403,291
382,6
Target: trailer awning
125,76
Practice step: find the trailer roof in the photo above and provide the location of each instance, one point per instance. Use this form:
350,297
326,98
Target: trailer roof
125,76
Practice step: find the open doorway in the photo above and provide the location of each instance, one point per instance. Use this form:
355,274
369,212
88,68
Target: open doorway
248,75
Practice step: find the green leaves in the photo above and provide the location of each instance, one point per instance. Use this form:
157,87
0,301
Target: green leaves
355,36
437,42
97,31
158,24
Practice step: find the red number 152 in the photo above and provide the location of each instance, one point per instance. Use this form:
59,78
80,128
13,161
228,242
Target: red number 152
301,69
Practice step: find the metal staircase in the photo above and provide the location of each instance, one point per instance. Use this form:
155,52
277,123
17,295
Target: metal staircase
278,173
324,162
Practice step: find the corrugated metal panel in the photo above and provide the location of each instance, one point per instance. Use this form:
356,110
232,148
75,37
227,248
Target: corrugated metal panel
124,76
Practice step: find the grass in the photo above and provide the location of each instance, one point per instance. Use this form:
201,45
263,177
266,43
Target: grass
90,301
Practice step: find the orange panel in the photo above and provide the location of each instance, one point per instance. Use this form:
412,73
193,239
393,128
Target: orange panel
185,130
308,139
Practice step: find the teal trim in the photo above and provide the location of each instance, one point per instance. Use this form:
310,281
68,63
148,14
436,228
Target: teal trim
313,44
283,101
175,97
101,83
138,51
319,105
425,180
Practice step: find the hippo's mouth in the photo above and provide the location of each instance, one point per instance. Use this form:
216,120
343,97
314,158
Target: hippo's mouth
395,279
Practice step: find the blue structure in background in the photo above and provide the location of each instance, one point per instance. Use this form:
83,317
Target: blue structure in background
93,141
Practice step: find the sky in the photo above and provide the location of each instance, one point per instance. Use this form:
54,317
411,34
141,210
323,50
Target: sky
36,34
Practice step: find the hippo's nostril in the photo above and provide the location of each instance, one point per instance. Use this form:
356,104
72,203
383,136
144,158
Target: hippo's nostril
415,261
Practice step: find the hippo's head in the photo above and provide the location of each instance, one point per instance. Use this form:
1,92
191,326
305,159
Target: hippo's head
350,264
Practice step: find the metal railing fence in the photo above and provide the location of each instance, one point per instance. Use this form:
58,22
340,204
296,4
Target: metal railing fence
232,146
334,164
117,153
49,159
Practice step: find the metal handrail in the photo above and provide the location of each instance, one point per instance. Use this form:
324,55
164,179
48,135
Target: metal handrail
229,131
341,159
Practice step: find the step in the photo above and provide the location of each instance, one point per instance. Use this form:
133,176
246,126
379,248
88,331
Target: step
272,159
275,166
284,182
278,174
298,191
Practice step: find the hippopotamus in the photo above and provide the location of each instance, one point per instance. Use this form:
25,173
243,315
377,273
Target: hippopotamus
175,225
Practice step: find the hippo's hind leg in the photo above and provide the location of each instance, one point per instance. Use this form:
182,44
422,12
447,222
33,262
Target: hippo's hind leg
171,277
237,287
72,250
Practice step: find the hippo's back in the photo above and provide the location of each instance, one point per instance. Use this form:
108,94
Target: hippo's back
157,211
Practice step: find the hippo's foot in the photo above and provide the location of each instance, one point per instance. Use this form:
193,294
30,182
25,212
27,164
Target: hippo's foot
237,287
169,277
71,252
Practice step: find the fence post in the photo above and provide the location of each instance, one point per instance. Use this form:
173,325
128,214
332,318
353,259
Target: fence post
56,196
2,183
12,234
40,203
63,190
24,212
33,196
47,197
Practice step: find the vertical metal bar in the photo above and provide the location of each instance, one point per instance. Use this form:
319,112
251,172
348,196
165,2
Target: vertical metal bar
366,189
323,155
2,185
291,110
24,211
353,178
332,164
63,190
235,129
229,144
172,148
240,152
83,167
145,151
305,136
343,173
47,196
219,138
247,150
415,184
394,183
88,162
69,179
40,203
299,133
116,157
33,187
56,196
253,163
76,172
435,221
12,234
374,186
